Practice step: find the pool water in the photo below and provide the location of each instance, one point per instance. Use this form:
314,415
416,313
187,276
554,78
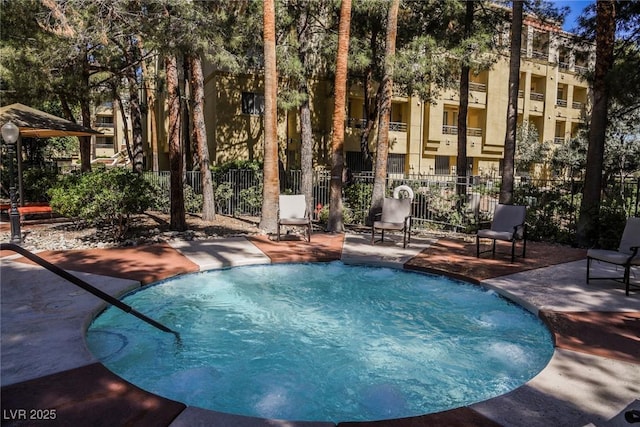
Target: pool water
322,342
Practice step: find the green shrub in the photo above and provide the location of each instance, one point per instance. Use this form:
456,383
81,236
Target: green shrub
347,215
612,221
37,181
251,197
161,201
104,198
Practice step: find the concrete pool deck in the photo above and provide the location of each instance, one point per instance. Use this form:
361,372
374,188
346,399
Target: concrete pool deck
48,372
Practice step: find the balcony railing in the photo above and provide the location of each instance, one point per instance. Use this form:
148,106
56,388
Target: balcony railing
535,96
357,123
520,94
543,56
449,130
559,139
478,87
581,69
561,102
397,126
362,123
453,130
563,65
577,105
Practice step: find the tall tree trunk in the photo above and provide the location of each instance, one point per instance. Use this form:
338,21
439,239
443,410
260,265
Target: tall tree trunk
506,190
185,113
85,141
335,223
125,124
306,132
588,223
382,148
151,111
200,138
371,103
271,186
461,161
177,213
135,110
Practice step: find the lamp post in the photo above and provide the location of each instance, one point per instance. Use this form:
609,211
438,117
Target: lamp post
10,133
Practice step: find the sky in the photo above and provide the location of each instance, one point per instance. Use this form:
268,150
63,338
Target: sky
576,7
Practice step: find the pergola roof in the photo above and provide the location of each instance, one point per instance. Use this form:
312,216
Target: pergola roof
34,123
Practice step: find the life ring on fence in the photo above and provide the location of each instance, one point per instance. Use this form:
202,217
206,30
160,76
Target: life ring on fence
399,188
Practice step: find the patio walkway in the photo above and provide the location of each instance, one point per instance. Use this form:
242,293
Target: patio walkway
47,370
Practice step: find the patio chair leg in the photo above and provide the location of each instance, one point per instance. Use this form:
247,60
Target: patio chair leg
278,232
627,279
588,267
493,249
477,247
513,250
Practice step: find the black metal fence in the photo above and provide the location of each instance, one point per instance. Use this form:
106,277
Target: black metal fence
439,200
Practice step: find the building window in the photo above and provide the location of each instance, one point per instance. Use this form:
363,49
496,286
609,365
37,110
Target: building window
104,121
395,163
442,165
252,103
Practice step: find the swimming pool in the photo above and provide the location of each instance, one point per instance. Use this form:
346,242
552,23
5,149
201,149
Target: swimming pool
323,342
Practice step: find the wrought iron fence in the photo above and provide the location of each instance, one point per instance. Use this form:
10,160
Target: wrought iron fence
440,200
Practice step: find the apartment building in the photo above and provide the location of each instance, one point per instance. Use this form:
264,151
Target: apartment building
423,136
110,147
552,97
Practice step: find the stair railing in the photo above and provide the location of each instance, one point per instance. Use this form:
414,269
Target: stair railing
84,285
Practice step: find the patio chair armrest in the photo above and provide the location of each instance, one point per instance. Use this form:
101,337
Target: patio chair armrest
522,227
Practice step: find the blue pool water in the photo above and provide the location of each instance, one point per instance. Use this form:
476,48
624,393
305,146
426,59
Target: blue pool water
322,342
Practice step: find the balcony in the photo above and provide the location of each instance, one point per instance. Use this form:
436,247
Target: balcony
542,56
577,105
397,127
535,96
453,130
356,123
580,69
559,139
362,123
561,103
478,87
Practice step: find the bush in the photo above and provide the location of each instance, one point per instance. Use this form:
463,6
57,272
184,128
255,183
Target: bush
104,198
37,182
347,215
161,201
612,221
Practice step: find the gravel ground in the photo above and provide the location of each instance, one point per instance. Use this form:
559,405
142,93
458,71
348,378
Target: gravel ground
152,227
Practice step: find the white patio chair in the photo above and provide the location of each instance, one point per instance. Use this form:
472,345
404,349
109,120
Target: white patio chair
293,212
626,256
508,225
396,215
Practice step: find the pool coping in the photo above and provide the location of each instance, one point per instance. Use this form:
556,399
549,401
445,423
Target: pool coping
567,392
